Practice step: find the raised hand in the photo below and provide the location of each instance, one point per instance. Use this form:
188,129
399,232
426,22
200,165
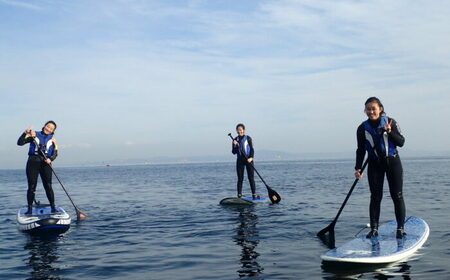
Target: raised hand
388,127
28,130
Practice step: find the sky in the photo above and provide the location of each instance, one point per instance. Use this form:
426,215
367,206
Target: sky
146,79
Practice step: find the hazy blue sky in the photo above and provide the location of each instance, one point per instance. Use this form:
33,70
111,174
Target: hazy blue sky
140,79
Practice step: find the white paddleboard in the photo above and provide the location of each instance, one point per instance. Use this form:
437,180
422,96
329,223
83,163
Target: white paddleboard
384,248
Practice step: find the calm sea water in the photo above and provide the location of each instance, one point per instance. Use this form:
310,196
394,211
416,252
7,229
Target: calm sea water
164,222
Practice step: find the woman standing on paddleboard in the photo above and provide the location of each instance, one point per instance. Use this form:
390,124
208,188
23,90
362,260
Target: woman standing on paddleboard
380,136
243,148
41,142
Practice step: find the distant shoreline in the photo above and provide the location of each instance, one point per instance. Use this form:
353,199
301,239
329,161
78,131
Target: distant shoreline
202,162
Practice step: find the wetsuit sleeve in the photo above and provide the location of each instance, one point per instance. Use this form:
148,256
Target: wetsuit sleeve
54,154
395,134
234,148
24,139
361,150
250,143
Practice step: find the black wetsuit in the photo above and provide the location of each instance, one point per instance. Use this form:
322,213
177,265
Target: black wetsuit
241,164
35,167
377,168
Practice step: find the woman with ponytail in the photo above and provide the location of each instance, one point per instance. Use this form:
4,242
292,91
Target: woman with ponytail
380,136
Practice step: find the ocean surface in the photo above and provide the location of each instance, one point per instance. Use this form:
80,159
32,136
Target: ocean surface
165,222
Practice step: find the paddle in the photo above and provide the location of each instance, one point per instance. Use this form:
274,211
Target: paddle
330,227
80,214
273,195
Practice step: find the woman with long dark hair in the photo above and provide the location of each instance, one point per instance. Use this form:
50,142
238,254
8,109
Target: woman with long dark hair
380,136
243,148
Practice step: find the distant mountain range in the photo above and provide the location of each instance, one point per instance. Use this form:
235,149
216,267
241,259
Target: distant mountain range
262,155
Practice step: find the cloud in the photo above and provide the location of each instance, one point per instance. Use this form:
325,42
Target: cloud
20,4
129,143
75,146
168,75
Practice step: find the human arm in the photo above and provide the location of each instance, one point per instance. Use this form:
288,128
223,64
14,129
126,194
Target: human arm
234,147
252,151
394,132
26,137
360,151
54,154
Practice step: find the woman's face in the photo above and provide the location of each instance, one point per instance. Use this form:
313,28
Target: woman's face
240,131
373,110
49,128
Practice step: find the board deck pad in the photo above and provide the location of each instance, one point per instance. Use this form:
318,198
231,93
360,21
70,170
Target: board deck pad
41,210
257,200
385,248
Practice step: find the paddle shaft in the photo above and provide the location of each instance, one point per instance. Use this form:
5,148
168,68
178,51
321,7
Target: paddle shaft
62,185
59,180
273,195
349,193
251,163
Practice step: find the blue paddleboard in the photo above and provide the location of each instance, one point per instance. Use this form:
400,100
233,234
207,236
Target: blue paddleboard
42,220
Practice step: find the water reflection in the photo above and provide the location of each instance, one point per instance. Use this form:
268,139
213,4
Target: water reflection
357,271
43,253
247,237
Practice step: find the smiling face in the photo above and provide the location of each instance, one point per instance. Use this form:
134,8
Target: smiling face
240,131
373,110
49,128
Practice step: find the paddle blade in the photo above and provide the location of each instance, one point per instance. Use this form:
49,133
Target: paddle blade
329,228
80,215
327,239
273,195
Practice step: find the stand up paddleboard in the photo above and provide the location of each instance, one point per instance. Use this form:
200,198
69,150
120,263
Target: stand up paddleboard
384,248
43,221
244,200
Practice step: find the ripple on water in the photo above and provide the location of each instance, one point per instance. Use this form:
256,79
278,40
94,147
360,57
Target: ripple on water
164,222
